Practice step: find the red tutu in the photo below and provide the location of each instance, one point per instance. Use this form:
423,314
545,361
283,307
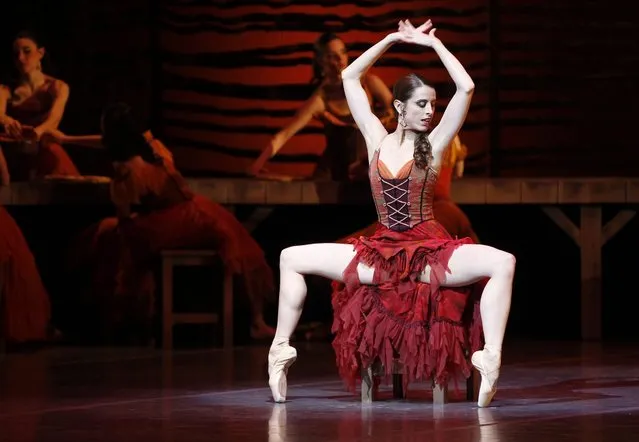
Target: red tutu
431,330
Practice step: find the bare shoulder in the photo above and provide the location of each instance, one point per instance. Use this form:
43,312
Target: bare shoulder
57,86
5,91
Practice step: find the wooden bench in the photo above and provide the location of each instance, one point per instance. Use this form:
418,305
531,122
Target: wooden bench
3,338
440,392
174,258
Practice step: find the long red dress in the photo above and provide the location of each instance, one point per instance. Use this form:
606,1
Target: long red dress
26,311
430,329
51,158
170,216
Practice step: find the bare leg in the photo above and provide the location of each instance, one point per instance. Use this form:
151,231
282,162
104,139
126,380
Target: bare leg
257,292
259,328
328,260
471,263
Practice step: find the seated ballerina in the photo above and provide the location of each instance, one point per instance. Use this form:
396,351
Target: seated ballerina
31,107
157,211
26,310
402,287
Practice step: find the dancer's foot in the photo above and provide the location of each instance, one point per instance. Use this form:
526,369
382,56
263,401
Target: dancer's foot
488,364
280,357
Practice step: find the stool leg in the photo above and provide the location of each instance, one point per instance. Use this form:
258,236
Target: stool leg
167,304
440,394
228,309
367,385
472,386
398,381
398,386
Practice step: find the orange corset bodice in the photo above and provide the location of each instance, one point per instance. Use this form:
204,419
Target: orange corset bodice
405,200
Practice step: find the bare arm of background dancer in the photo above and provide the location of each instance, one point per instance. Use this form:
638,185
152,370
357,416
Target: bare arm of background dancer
60,93
11,127
312,106
4,170
467,264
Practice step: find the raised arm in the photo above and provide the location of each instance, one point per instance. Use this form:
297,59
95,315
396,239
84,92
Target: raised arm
369,125
60,92
457,109
313,106
455,114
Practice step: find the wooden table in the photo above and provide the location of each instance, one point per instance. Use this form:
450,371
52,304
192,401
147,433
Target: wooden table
548,193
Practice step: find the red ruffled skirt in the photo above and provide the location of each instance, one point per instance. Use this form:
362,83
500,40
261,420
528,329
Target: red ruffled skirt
27,311
431,330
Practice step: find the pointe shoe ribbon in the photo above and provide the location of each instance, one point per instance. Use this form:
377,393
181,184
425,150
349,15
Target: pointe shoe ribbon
280,358
489,370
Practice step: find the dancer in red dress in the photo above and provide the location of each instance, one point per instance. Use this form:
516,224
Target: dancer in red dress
27,310
156,210
405,288
344,157
30,108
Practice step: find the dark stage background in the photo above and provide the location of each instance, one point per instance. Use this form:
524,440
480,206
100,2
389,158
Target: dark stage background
556,96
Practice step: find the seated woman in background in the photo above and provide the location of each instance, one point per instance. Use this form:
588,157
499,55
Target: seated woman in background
26,311
446,211
29,108
156,211
344,157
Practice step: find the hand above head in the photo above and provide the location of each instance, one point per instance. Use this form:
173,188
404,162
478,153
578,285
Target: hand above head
423,35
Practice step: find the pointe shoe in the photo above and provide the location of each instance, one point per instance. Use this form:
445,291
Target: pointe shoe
488,367
280,358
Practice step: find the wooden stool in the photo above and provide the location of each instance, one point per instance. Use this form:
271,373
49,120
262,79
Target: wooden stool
440,392
173,258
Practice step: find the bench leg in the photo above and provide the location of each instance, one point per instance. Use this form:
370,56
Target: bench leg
228,309
440,394
3,344
167,305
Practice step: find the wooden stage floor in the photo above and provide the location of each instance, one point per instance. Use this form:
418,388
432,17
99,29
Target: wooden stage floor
549,391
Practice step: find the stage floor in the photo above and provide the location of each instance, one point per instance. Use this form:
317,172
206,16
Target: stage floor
548,392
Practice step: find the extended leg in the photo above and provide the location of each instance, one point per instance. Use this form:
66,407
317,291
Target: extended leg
328,260
470,263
